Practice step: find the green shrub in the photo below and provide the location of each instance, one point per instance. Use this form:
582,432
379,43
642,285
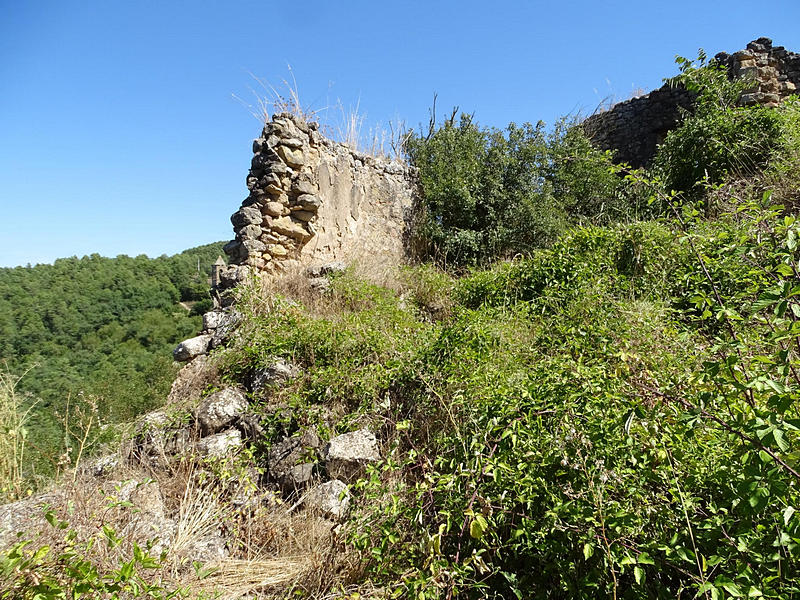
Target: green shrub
721,140
485,196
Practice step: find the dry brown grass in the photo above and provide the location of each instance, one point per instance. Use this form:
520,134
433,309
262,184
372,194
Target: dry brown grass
13,436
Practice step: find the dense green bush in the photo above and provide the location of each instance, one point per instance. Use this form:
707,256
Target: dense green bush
484,192
720,140
491,194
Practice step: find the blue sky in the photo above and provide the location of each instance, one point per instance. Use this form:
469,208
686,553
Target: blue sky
120,133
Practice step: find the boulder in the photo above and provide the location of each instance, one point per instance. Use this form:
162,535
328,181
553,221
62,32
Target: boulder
331,498
346,455
225,328
188,349
284,458
272,376
220,445
220,410
211,320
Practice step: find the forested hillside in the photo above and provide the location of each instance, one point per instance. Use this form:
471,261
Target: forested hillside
98,329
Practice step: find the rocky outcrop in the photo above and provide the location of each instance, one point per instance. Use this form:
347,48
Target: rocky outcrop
634,128
331,499
191,348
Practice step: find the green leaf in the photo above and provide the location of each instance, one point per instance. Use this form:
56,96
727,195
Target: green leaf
477,527
787,514
638,574
588,550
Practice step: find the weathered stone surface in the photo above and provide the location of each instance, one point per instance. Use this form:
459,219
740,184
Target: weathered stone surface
309,202
220,410
303,215
249,232
346,455
192,347
332,499
272,376
225,328
102,466
289,453
220,445
157,438
325,269
286,226
319,284
24,515
277,250
352,205
275,209
246,216
302,186
190,382
212,319
293,158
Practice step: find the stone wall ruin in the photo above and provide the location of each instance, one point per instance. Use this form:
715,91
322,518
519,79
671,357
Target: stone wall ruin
313,201
634,128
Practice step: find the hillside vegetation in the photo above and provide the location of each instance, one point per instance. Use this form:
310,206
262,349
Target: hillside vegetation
96,332
588,389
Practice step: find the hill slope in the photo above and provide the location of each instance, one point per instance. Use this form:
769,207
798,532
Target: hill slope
97,327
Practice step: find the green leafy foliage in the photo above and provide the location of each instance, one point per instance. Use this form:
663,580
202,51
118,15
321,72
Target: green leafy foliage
43,572
613,416
491,194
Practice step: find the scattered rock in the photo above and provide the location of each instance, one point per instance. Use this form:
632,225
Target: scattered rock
323,270
220,445
284,457
273,376
332,499
102,466
320,284
346,455
211,320
225,328
192,347
220,410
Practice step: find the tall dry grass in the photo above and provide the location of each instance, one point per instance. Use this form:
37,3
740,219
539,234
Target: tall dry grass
13,438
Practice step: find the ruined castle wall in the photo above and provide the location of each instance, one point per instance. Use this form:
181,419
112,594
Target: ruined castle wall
634,128
313,200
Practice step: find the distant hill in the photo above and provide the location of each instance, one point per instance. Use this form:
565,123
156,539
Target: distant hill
98,327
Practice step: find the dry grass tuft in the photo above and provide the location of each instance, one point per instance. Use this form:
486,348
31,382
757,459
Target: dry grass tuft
235,578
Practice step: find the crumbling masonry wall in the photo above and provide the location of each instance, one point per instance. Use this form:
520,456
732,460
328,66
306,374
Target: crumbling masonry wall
634,128
313,200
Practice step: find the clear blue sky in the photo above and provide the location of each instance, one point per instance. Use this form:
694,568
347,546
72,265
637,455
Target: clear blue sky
119,133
